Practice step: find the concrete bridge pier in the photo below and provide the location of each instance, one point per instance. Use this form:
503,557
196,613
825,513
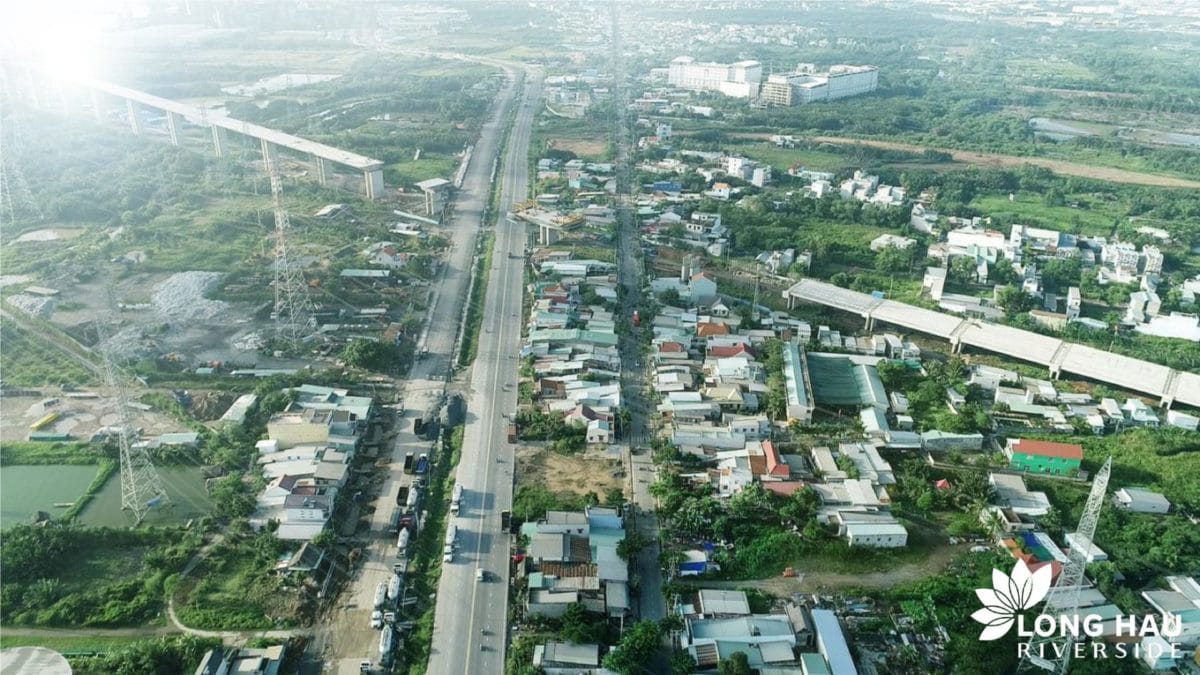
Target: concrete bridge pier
134,123
96,111
174,121
323,170
220,139
270,155
373,178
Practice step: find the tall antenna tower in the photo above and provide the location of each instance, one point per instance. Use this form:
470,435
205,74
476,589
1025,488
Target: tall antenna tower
293,312
141,487
1053,654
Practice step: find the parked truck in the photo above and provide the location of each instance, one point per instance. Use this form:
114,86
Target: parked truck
402,495
422,465
512,432
402,543
408,462
456,499
380,595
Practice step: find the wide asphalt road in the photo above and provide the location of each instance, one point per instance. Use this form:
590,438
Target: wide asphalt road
470,625
349,635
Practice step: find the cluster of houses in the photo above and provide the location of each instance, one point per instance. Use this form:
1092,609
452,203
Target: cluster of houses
796,638
305,459
573,344
572,558
1014,516
578,174
1036,404
701,230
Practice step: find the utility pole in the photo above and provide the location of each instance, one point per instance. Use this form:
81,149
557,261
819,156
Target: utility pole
1053,654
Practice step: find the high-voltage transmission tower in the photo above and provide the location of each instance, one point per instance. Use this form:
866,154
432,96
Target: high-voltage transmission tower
141,487
16,201
293,312
1053,653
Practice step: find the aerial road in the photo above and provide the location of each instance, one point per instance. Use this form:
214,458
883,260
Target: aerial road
347,634
470,625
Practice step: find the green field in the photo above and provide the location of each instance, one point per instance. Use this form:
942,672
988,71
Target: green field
69,644
428,166
782,158
1093,217
28,362
1049,68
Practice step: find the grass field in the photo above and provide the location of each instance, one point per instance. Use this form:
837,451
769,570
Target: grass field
782,158
1093,217
429,166
69,644
1056,68
28,362
233,589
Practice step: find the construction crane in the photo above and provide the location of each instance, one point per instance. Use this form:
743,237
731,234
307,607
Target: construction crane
141,487
293,311
1053,654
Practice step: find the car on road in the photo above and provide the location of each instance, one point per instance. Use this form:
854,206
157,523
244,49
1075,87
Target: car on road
377,619
481,575
448,556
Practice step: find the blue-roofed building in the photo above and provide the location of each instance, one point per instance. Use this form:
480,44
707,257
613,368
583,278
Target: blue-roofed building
831,643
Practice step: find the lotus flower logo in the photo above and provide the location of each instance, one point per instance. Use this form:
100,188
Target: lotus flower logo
1009,595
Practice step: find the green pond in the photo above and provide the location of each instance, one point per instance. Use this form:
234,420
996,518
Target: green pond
25,490
184,485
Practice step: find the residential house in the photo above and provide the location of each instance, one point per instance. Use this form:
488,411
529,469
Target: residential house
1140,500
1060,459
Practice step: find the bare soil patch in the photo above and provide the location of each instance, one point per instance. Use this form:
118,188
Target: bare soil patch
580,146
579,474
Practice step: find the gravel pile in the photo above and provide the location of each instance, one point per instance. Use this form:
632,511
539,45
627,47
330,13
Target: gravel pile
180,299
33,305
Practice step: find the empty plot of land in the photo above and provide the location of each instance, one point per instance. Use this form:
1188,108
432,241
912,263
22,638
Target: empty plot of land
583,147
1005,161
578,474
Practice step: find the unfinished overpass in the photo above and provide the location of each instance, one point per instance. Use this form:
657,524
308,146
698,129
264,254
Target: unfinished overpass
270,140
1057,355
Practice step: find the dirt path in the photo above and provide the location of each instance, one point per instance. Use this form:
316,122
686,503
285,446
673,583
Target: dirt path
144,631
988,159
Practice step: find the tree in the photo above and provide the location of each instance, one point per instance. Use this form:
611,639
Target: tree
799,508
633,543
682,663
635,648
1015,300
737,664
963,270
893,259
372,355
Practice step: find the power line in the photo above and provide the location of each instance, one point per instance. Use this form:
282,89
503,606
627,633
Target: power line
293,310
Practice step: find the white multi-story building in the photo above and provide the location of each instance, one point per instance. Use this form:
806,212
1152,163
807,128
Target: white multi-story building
739,80
1153,260
806,85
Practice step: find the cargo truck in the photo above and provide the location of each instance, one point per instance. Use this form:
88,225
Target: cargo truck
456,499
512,432
422,465
408,462
402,495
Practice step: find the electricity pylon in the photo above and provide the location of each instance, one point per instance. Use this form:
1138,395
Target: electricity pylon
16,201
293,312
141,486
1053,653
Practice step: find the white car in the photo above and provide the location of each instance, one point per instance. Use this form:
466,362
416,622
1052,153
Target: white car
480,575
377,619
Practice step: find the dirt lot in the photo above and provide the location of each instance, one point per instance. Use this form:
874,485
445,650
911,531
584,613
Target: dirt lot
580,146
80,417
580,474
993,160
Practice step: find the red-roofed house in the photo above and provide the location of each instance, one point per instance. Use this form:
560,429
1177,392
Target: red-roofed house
1061,459
783,488
727,351
775,464
704,330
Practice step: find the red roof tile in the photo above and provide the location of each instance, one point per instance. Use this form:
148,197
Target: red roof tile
669,347
1048,449
726,351
783,488
709,329
775,465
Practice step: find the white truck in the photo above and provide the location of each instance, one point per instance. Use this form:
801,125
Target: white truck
393,588
380,595
451,539
456,499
